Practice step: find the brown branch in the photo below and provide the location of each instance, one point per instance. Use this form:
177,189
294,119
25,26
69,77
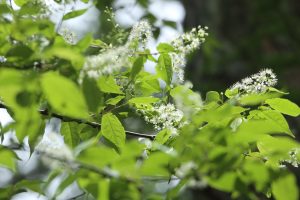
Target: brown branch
81,121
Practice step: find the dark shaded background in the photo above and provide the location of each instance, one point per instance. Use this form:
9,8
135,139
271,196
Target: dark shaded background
245,36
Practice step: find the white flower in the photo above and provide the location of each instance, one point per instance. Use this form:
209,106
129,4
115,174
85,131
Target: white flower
113,59
140,33
2,59
257,83
178,63
108,62
293,157
53,150
190,41
163,116
184,45
69,36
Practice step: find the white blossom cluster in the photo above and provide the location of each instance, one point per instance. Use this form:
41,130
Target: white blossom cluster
69,36
125,85
184,45
108,62
257,83
293,158
2,59
114,58
140,33
163,117
190,41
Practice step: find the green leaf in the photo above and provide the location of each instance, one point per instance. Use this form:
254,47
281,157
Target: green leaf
163,136
284,106
74,14
99,156
231,93
20,51
20,2
87,132
172,24
103,186
143,100
4,8
112,130
98,43
7,159
271,89
165,48
212,96
277,120
108,84
164,68
285,187
226,182
147,84
156,164
114,101
34,185
29,123
63,95
123,190
255,99
257,172
85,1
68,54
85,42
19,92
70,131
29,8
137,67
270,145
92,94
252,130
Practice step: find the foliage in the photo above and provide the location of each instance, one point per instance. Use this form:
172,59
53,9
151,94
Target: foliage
238,142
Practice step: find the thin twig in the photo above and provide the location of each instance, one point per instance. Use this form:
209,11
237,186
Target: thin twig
81,121
160,178
106,173
145,53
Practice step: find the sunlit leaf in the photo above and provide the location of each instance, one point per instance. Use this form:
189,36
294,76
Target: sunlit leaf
70,131
63,95
112,129
284,106
74,14
108,84
285,187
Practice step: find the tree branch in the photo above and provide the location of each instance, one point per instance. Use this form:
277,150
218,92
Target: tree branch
81,121
105,172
